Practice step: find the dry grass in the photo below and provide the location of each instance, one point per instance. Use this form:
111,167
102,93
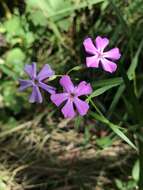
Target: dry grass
34,158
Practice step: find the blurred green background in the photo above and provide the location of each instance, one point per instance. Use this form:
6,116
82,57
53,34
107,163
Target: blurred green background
52,31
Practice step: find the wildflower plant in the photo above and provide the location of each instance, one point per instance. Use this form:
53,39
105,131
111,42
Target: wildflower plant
71,98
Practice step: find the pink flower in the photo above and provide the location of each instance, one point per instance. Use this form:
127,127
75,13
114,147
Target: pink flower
71,98
98,56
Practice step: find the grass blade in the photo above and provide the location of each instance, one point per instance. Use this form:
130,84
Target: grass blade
115,128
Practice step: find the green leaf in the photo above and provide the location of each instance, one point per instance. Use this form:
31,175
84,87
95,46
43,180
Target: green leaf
10,97
114,128
38,18
104,141
135,171
38,11
15,59
29,37
13,25
134,63
76,68
119,184
101,90
107,82
64,24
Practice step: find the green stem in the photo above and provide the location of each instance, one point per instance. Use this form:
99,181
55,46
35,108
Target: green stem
96,108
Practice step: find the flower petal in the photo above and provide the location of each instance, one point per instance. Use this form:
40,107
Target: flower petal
83,88
36,95
81,106
45,72
108,66
31,70
24,84
68,110
59,98
101,43
113,54
47,88
89,46
92,61
66,83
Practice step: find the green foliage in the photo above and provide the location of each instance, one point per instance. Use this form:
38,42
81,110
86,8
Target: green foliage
130,185
104,142
115,128
52,31
16,30
40,12
15,59
135,171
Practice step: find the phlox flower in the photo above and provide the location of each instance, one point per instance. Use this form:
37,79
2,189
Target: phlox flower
36,82
98,56
71,98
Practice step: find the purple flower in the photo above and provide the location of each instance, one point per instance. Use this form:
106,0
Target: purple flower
36,81
99,56
71,96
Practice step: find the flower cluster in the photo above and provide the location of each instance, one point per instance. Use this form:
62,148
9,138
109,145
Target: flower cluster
71,95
